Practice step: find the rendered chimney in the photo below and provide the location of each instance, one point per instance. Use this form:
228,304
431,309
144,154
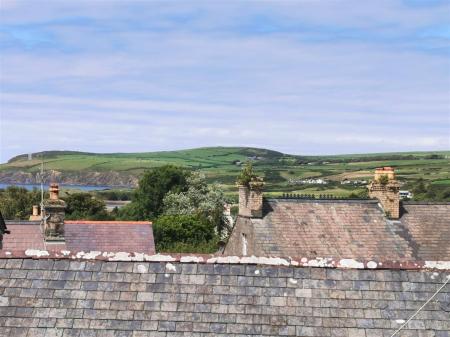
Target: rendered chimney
35,216
251,199
54,215
386,188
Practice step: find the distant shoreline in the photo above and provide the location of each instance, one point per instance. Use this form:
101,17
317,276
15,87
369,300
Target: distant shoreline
67,187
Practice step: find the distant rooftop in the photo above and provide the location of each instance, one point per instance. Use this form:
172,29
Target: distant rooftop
105,236
347,228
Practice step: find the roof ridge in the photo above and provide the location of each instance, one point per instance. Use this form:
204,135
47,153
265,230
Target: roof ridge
104,222
318,262
353,201
426,202
81,222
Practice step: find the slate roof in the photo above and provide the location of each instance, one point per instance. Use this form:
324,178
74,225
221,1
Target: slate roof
104,236
354,229
46,297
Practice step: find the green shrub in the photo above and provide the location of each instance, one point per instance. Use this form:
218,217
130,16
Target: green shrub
383,179
247,175
84,206
16,203
184,233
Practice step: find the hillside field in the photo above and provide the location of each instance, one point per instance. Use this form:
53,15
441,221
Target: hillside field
223,164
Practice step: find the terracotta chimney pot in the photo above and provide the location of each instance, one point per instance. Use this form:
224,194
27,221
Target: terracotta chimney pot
35,216
54,191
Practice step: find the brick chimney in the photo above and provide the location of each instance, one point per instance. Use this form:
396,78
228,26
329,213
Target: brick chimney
386,188
251,199
54,215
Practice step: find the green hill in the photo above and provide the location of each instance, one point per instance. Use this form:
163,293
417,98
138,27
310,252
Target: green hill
205,158
282,172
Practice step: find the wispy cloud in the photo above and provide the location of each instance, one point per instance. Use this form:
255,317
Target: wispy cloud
301,77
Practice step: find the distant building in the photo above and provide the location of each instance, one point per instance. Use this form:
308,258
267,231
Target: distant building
311,181
354,182
405,195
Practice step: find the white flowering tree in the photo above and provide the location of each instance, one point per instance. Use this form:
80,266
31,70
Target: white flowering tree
200,199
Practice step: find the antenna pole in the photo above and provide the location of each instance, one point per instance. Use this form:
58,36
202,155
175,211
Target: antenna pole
42,186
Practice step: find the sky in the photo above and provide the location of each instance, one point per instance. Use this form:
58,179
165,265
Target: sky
301,77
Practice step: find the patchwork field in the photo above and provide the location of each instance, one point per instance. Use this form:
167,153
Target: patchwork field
282,172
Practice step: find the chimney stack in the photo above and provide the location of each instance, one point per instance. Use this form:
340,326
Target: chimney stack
251,199
35,216
54,215
386,188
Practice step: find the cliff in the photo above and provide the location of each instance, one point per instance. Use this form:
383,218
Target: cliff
93,178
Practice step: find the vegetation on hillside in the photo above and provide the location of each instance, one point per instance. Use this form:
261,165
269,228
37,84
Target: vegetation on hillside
425,191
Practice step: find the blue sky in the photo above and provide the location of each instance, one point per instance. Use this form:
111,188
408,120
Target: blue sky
302,77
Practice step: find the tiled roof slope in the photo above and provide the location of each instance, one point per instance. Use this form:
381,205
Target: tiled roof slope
107,299
24,235
355,229
104,236
427,227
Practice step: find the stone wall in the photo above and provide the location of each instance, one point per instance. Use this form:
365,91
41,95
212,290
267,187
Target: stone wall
49,297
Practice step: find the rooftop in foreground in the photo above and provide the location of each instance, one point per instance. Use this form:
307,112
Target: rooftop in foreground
223,296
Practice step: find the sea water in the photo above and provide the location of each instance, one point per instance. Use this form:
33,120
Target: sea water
61,186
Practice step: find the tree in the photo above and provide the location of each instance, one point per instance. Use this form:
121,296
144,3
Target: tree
16,203
148,198
184,233
201,199
85,206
